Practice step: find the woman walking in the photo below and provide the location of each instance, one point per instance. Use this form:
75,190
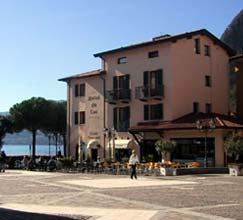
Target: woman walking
133,161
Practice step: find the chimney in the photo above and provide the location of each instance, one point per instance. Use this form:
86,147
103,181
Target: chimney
161,37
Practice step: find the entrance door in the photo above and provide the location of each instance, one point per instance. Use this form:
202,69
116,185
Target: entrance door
94,154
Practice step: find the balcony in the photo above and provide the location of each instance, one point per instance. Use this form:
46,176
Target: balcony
145,93
118,95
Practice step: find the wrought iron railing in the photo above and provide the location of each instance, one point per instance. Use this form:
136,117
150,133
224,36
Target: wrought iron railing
146,92
113,96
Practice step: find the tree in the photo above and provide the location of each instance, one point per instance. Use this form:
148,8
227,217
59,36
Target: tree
233,146
6,126
33,115
165,147
58,123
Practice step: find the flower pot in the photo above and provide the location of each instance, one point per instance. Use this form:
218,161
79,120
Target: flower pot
236,169
168,171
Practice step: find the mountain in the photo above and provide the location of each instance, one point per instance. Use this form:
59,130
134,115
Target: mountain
4,113
233,34
25,138
233,37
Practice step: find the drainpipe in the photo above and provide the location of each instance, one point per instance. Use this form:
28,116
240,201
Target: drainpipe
104,109
69,119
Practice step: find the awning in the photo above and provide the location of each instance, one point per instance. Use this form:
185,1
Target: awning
122,143
92,144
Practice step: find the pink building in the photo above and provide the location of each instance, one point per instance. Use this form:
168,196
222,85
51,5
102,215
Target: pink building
153,90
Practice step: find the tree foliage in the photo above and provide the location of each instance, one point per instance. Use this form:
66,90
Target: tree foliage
234,145
33,115
6,126
165,146
57,124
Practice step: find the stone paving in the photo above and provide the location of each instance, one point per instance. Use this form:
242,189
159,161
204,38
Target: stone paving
107,197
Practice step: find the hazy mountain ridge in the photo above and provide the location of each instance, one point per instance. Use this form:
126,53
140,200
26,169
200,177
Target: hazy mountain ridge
233,34
24,137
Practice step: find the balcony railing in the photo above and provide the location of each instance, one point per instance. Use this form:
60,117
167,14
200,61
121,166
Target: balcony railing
118,95
146,92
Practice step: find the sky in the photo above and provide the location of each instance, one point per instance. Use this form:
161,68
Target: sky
42,41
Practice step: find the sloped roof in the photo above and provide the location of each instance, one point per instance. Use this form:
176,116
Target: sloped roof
82,75
168,38
189,122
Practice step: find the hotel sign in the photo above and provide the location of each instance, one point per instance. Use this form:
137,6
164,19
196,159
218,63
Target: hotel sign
94,117
93,104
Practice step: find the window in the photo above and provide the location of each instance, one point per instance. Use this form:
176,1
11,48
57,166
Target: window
122,60
79,118
153,54
207,50
121,87
82,89
208,108
195,107
208,81
75,118
82,117
197,45
153,83
76,90
153,112
79,90
121,118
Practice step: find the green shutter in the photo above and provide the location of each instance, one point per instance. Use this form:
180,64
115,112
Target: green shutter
146,78
76,90
146,112
115,82
159,77
115,118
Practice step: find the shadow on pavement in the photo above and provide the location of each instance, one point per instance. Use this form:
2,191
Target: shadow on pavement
8,214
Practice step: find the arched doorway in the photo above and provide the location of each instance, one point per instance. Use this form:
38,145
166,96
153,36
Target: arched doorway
93,147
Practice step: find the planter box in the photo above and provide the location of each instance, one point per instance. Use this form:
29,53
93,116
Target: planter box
236,170
170,171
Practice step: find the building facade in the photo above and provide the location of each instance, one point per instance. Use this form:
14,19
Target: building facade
154,90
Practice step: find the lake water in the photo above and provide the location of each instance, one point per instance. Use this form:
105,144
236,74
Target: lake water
14,150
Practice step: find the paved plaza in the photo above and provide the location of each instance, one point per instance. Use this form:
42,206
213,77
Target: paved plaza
108,197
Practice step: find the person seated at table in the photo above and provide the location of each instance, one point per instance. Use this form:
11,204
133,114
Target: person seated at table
41,163
51,164
24,162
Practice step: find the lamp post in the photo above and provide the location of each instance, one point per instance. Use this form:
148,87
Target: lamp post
110,132
205,127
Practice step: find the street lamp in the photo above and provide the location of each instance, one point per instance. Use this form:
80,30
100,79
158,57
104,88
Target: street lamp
110,132
205,127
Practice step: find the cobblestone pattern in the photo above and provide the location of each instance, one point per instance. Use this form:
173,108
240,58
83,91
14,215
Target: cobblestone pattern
213,197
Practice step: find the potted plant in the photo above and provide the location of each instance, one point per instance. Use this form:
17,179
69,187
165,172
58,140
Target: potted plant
234,148
165,147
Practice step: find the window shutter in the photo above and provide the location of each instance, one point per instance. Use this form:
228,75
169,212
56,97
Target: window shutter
115,82
159,77
126,81
115,118
76,90
146,112
146,78
82,89
76,118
